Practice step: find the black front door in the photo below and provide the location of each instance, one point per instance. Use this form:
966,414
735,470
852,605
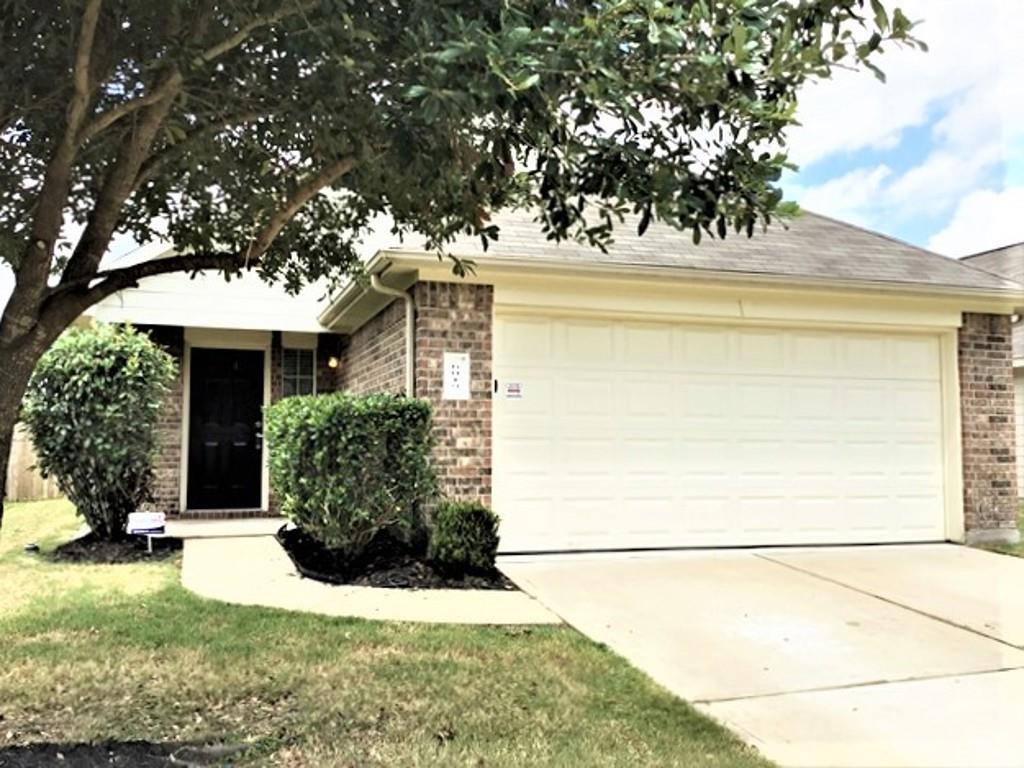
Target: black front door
225,451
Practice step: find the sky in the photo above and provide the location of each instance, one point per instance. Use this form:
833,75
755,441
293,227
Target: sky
935,156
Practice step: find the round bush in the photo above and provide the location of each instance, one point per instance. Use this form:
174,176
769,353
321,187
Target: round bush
463,536
92,408
347,467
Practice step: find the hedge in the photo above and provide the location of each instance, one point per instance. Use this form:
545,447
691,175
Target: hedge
347,467
91,408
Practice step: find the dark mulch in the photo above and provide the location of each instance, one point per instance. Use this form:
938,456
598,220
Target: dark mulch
136,754
388,562
89,549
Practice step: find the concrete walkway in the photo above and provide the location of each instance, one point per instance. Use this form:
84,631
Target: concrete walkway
248,568
869,656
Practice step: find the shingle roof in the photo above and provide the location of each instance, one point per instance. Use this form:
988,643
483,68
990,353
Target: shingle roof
1008,262
809,246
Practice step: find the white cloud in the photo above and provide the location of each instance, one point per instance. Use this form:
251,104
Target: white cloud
850,197
971,63
969,87
939,180
984,219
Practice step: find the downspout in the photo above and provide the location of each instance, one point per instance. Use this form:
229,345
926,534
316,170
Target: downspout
410,330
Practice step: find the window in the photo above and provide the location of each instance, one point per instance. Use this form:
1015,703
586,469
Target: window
298,376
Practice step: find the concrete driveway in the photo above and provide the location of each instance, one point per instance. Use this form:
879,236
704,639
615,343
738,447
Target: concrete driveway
861,656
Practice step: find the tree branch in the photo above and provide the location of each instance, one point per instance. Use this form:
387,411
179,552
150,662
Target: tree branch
156,162
78,295
112,115
82,291
298,198
118,186
83,62
105,120
32,271
288,8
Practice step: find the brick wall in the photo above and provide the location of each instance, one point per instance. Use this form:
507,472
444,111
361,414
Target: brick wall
373,358
167,466
456,317
987,416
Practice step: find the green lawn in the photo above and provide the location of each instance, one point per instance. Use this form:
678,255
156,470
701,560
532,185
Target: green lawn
123,652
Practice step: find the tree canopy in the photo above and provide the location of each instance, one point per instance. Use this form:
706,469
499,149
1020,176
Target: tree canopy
269,134
221,121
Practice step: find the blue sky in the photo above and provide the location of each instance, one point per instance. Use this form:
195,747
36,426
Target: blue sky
936,155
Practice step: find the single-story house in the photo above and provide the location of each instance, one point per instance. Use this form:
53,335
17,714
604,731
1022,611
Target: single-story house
816,384
1009,262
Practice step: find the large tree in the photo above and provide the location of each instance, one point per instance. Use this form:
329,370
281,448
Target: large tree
266,134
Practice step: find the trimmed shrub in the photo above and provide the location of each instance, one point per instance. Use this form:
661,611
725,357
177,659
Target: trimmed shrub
463,536
92,408
347,467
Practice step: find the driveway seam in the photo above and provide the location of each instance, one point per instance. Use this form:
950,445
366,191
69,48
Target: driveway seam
865,684
890,601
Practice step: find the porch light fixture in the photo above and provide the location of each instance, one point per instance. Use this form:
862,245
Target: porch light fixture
332,361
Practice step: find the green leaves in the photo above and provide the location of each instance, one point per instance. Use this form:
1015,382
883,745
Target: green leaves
463,537
347,467
599,108
92,408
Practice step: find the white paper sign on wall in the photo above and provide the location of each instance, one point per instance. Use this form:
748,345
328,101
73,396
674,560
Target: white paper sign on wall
455,384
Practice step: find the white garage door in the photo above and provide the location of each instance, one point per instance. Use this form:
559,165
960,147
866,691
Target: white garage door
620,434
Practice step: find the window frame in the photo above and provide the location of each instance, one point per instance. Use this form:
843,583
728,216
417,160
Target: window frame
298,377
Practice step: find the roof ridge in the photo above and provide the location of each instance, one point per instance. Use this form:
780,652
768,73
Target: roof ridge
989,251
925,251
876,233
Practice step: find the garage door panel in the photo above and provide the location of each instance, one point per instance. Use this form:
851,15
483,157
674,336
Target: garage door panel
704,349
760,352
646,346
585,343
680,435
525,340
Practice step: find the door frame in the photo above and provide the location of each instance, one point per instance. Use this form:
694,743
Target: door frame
221,338
949,380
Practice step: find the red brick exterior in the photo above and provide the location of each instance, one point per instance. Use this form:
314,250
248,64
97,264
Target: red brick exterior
987,417
450,317
373,358
167,467
457,317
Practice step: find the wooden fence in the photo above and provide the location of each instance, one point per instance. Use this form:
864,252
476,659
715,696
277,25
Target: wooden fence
23,482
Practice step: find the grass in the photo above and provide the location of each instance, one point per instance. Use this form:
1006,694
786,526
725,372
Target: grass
124,652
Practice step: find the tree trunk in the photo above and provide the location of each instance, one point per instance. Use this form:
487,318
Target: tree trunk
16,365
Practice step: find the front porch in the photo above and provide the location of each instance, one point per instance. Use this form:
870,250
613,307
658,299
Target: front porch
212,462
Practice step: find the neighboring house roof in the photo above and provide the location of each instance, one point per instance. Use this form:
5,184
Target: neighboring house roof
809,246
208,301
1007,261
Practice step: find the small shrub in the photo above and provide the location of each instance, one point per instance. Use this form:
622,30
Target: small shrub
347,467
463,536
92,408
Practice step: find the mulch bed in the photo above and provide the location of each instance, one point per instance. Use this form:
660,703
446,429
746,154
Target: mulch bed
133,754
89,549
387,562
